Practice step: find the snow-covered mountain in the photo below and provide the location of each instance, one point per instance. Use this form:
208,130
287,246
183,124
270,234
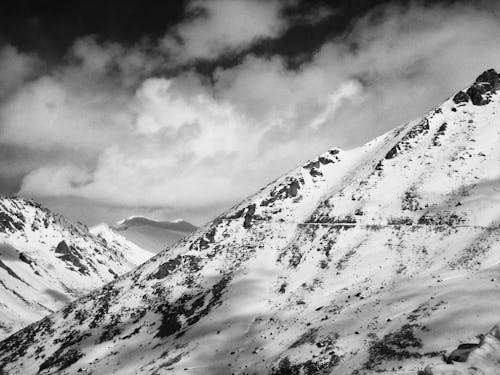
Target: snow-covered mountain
135,254
151,234
46,261
379,259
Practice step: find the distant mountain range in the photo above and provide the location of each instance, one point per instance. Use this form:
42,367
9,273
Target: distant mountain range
153,235
47,261
380,259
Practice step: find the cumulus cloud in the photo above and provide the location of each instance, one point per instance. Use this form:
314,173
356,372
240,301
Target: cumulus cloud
58,113
221,26
187,142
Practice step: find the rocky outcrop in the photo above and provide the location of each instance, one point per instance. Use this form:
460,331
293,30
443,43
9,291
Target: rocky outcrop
491,77
468,359
479,93
461,97
481,90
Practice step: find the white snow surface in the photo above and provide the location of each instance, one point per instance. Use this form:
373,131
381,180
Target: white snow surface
134,254
38,277
380,259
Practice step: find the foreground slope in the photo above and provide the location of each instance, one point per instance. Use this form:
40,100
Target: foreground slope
153,235
46,261
377,259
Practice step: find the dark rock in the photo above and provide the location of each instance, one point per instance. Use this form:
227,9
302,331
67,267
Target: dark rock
249,216
314,172
406,142
203,242
62,248
324,160
289,190
71,255
8,223
461,353
61,360
115,275
490,76
166,268
282,288
193,312
486,84
439,133
478,93
392,152
26,259
395,346
312,164
461,97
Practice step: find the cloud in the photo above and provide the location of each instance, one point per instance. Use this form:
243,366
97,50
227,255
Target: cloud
123,66
130,137
59,113
15,68
221,26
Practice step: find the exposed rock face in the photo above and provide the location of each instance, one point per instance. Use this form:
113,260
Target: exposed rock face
490,76
481,90
461,354
378,261
479,93
72,256
461,97
472,359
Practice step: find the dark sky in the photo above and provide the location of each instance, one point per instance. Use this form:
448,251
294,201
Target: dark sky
49,27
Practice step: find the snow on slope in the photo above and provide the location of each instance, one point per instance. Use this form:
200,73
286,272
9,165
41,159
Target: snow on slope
153,235
134,254
377,259
46,261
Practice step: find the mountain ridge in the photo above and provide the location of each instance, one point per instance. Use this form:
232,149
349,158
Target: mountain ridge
179,224
376,259
46,261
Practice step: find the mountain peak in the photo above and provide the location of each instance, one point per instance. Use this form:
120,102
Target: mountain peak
481,90
358,261
134,221
46,261
153,235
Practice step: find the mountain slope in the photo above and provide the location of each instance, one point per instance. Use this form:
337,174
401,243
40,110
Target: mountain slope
46,261
376,259
133,253
153,235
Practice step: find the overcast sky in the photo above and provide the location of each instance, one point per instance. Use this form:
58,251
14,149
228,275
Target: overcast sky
183,108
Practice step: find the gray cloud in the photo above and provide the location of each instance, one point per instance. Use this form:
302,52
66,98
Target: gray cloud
220,26
15,68
182,142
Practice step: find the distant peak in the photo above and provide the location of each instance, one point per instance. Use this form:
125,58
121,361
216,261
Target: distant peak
134,221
